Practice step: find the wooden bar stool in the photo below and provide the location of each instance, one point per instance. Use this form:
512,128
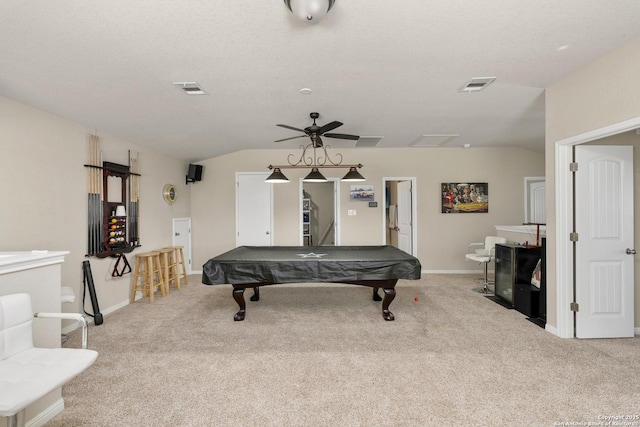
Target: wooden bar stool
169,268
147,276
182,266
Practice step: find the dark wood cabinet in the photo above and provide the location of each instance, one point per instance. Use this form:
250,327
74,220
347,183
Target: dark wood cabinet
526,299
119,228
115,228
514,267
542,315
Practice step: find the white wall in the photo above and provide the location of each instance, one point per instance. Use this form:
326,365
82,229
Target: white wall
442,238
44,204
601,94
44,195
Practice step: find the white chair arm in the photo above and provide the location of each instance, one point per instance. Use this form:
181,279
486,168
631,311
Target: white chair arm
69,316
66,316
475,245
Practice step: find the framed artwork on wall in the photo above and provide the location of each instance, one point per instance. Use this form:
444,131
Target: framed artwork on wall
362,193
465,197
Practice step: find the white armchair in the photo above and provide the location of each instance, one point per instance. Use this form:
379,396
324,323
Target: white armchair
27,373
484,253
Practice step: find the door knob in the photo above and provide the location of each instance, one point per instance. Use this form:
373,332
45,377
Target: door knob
177,234
267,232
631,251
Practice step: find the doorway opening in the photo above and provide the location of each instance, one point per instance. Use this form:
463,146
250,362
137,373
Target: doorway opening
564,214
399,221
318,220
182,237
254,209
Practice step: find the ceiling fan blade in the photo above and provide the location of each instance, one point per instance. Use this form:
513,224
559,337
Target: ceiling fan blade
291,127
293,137
328,127
342,136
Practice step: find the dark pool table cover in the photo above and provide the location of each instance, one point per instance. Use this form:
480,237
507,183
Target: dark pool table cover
302,264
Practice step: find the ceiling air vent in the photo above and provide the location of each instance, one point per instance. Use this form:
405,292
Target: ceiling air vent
433,140
477,83
368,141
190,88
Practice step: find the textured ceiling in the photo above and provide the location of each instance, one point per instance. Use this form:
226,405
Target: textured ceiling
390,69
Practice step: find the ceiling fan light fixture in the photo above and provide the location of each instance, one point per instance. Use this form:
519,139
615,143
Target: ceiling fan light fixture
315,176
353,175
315,155
277,177
309,10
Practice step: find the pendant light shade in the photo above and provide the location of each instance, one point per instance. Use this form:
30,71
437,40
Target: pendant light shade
353,175
277,177
309,10
315,176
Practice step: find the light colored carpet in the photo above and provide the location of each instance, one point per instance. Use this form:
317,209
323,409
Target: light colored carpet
311,355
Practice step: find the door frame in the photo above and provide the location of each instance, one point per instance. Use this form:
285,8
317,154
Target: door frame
336,209
565,322
237,203
529,182
173,241
414,210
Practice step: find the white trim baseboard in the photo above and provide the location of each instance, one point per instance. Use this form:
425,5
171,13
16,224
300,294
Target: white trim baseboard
551,329
47,415
74,325
452,272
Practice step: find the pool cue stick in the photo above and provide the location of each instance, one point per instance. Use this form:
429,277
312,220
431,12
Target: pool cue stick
93,195
100,197
89,198
94,248
96,239
97,222
97,204
133,199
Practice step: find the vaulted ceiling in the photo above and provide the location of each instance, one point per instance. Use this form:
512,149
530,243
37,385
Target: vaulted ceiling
389,70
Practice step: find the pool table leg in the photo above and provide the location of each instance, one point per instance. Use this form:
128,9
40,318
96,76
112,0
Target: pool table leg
238,296
256,294
389,295
376,295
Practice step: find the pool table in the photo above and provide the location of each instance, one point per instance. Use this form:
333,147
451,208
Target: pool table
256,266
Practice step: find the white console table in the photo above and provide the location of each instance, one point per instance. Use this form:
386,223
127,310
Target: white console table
520,233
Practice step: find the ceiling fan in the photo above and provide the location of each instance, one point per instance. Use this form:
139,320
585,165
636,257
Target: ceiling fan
314,131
